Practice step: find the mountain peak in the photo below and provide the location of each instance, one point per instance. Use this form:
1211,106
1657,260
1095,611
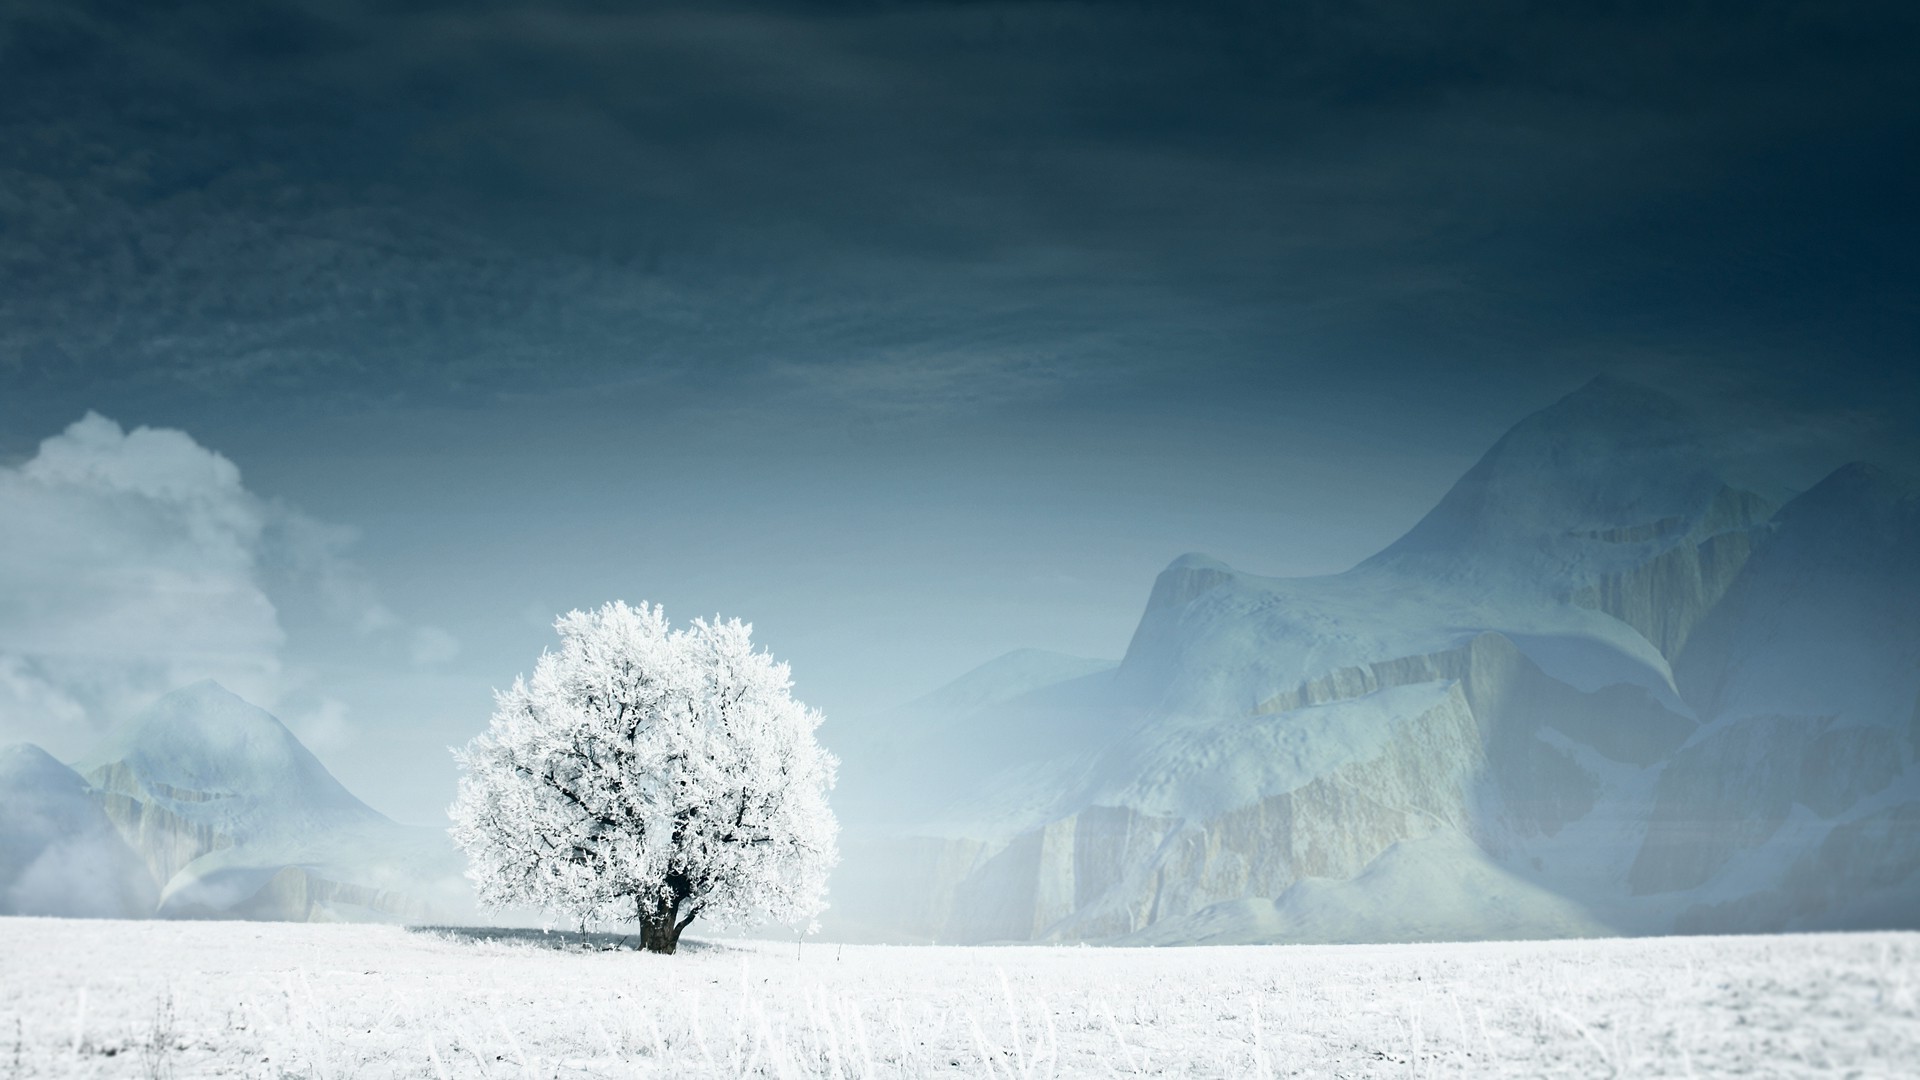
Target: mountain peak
1858,483
1607,387
1855,508
1187,577
1612,455
205,691
213,711
24,761
1605,414
1195,560
207,740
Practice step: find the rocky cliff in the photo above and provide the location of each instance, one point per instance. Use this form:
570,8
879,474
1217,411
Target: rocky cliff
1597,682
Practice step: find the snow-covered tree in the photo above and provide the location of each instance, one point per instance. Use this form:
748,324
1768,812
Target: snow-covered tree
650,773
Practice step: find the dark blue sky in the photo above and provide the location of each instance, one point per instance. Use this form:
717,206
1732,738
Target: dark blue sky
913,332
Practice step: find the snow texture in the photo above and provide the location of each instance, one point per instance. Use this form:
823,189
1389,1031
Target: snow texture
127,999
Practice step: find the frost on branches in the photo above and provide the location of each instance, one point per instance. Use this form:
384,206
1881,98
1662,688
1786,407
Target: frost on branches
653,774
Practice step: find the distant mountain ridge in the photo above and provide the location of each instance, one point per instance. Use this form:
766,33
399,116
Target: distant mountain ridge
1595,690
1642,698
231,816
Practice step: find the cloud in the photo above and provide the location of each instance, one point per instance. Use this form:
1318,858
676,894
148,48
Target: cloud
128,565
133,562
914,208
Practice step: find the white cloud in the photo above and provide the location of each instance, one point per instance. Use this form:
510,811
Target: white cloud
133,562
127,566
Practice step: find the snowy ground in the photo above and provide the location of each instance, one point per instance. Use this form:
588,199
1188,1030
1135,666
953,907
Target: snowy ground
109,999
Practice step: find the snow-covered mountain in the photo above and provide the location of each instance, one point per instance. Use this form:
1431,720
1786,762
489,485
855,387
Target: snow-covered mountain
1596,689
59,855
230,816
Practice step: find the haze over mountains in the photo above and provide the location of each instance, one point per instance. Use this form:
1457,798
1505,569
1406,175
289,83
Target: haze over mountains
206,806
1597,689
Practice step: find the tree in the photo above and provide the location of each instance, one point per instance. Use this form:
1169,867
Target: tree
653,774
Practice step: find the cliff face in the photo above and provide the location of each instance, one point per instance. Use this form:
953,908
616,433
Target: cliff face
1596,679
1670,593
1475,740
166,840
1107,870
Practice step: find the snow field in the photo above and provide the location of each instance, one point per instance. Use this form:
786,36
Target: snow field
85,998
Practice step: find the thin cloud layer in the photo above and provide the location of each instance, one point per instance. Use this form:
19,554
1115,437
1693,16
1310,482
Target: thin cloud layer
134,562
428,202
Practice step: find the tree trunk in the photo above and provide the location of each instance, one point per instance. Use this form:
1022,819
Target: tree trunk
659,926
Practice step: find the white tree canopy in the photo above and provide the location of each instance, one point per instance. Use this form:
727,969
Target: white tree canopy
650,773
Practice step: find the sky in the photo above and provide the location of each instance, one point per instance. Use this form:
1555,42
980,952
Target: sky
342,345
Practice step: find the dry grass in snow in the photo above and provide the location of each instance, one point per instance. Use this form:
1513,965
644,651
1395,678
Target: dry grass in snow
159,999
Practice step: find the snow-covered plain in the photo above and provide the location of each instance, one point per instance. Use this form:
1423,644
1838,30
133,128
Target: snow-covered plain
191,999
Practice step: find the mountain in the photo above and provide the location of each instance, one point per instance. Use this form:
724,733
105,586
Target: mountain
1596,684
1809,676
233,817
59,855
